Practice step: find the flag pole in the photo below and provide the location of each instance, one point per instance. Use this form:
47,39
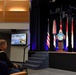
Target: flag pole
67,33
72,42
48,36
54,33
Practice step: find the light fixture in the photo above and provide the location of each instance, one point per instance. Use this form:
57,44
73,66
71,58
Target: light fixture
16,9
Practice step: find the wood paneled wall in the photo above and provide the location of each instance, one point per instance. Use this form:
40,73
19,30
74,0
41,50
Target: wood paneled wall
10,10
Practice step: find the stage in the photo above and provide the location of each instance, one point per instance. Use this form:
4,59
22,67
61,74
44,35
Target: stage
62,60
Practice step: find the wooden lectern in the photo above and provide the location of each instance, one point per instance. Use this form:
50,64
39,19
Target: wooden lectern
60,38
60,45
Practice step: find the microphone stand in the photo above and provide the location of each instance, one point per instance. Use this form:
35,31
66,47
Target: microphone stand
24,53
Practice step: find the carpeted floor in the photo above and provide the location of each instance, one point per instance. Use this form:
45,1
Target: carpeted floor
50,71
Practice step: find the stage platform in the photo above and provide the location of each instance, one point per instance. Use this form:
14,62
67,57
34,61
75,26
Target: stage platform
60,59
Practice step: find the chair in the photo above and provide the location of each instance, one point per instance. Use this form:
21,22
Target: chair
4,70
19,73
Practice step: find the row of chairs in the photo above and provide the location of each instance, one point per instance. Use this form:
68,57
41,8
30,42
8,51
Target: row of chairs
4,70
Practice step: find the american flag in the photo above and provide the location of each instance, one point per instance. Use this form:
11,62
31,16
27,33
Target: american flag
48,36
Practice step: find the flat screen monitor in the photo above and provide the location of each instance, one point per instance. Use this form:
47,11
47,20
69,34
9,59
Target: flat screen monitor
18,39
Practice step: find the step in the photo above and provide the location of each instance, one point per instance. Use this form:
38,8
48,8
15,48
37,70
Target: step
33,62
43,53
37,58
38,55
31,66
